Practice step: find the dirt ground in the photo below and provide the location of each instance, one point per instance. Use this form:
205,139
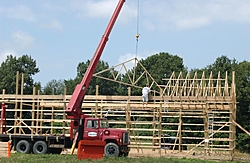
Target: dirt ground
184,154
135,153
161,153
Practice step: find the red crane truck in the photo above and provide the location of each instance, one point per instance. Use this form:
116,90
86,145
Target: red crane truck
82,127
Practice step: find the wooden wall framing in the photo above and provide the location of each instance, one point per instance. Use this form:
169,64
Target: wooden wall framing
198,111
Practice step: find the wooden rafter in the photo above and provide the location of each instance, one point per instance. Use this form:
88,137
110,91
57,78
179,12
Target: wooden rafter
123,69
194,86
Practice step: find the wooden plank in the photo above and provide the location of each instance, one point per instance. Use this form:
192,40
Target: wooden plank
42,127
61,98
42,120
144,146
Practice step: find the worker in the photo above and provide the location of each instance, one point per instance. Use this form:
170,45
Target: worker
145,92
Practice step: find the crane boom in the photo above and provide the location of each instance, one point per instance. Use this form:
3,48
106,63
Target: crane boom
73,109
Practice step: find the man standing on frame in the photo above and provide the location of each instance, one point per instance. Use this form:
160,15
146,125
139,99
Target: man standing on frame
145,92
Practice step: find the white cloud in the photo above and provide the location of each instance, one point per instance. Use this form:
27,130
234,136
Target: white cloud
126,57
19,41
22,40
19,12
54,6
54,24
103,9
187,14
98,9
168,15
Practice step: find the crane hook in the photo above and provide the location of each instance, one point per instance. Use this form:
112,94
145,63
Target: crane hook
137,36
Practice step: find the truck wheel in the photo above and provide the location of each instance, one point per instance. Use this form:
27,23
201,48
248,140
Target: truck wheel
40,147
111,149
23,146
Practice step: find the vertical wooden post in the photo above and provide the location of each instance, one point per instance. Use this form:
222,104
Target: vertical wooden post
33,110
3,116
160,123
101,110
155,112
232,118
96,101
180,130
37,112
155,120
127,111
160,126
16,103
64,104
41,118
155,115
21,103
206,136
52,118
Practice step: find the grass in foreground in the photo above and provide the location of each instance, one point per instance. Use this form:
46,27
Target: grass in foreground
47,158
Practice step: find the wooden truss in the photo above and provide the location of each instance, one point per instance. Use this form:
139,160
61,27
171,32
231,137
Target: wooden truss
193,86
123,68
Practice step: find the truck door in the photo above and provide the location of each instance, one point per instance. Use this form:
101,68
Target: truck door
91,131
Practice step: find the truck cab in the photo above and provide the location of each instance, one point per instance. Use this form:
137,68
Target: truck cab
117,140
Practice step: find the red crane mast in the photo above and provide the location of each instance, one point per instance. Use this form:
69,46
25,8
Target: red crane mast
73,109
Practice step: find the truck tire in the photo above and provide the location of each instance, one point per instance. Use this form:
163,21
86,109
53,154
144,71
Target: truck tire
23,146
111,150
40,147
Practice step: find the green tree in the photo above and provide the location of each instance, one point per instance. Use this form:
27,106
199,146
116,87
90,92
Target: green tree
222,64
105,87
24,64
54,87
243,104
70,84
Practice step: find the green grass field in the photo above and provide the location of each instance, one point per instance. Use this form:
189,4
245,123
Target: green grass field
47,158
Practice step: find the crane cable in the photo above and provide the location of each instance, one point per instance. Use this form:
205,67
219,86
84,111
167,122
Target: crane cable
137,38
137,29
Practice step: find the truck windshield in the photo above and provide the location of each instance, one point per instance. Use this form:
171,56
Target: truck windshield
104,123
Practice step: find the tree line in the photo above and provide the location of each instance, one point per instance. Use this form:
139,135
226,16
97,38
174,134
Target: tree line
168,63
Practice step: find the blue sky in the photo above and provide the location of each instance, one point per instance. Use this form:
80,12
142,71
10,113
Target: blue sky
60,34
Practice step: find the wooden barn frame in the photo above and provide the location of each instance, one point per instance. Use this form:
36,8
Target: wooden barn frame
197,113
